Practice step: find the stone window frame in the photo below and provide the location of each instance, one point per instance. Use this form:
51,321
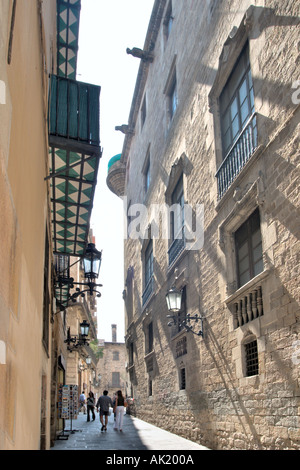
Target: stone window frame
143,111
179,169
243,63
246,202
147,320
116,355
244,336
247,342
230,54
146,242
250,249
182,366
146,171
115,379
171,91
168,22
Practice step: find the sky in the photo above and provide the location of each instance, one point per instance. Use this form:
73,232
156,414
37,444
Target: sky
107,28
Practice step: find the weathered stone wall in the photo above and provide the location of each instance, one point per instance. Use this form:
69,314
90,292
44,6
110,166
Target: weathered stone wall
220,407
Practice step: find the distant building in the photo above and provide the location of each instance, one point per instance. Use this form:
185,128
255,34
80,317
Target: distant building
111,367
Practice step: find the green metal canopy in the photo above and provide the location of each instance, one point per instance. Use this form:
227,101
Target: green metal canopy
74,139
74,147
73,181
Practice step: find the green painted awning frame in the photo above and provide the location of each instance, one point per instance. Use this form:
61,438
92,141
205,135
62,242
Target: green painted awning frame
73,179
74,110
68,18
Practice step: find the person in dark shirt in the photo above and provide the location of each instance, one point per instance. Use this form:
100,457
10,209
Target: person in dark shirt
104,402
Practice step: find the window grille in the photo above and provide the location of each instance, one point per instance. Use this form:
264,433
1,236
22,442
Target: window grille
182,379
251,358
150,387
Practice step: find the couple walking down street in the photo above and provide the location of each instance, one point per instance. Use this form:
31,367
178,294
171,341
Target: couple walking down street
104,403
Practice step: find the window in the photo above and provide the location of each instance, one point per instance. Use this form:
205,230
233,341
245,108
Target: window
150,387
251,356
236,101
182,312
148,272
182,379
177,221
130,354
238,121
172,97
115,379
170,91
178,213
146,172
150,337
116,355
168,22
249,249
143,111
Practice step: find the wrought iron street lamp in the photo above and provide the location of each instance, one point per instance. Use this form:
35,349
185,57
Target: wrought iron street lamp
88,361
75,342
174,298
91,263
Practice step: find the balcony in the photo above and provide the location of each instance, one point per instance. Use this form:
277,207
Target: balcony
74,155
176,247
147,291
248,307
237,157
116,175
246,304
74,112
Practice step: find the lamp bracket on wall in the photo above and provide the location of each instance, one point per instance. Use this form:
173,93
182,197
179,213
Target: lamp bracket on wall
186,322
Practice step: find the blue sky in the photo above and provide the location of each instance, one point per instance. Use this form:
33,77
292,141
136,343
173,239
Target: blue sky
107,28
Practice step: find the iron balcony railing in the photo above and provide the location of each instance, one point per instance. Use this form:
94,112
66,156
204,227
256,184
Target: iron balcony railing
147,291
177,246
237,157
74,111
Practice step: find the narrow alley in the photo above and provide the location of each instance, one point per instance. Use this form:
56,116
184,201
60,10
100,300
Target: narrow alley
137,435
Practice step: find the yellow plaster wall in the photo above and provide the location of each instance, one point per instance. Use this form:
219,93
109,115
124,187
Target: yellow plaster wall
24,213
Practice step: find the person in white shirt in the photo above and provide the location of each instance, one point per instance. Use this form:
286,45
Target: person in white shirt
82,401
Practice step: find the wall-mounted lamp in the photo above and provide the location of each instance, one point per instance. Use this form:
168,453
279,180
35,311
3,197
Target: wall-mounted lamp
78,341
91,263
88,361
173,298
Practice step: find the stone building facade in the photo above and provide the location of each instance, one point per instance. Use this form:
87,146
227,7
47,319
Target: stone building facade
215,130
111,367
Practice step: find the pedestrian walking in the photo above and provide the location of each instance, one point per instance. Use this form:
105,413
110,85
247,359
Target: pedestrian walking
82,400
90,406
104,402
119,409
114,402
